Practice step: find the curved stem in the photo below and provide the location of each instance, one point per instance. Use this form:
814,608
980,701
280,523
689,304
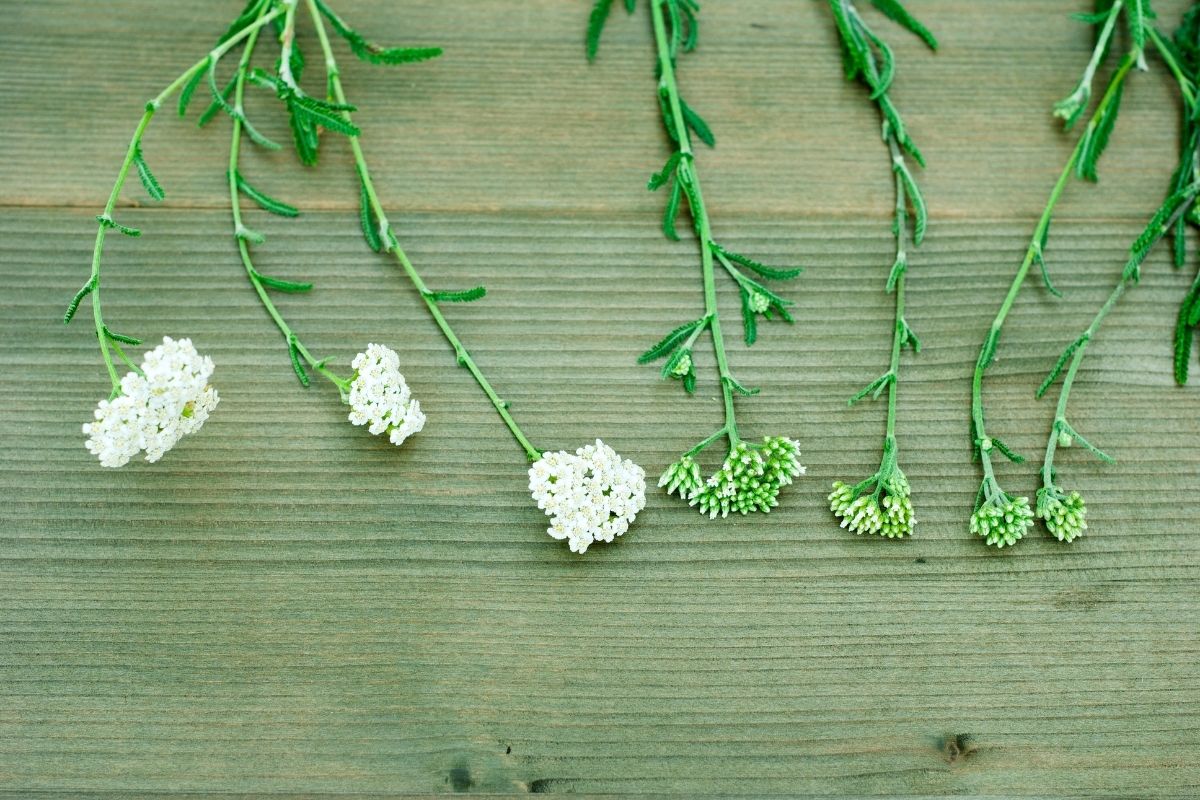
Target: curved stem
130,155
1128,279
461,353
670,88
239,228
1031,254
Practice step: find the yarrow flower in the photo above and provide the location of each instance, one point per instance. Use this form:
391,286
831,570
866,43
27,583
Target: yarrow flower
750,478
887,511
1003,520
168,399
379,396
591,496
1065,514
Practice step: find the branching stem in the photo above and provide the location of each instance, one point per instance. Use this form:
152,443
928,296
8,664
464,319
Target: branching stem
687,173
390,242
987,352
130,155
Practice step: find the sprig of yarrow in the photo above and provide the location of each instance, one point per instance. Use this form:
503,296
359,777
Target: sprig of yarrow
881,504
751,475
148,411
1064,513
592,495
377,392
1000,518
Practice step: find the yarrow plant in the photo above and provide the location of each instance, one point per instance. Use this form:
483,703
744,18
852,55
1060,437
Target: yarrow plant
1063,512
159,403
999,517
752,475
881,504
593,495
111,438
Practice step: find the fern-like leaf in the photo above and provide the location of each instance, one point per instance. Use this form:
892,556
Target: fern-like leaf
151,184
265,201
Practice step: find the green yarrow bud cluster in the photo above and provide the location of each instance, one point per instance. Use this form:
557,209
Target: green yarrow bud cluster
1064,514
886,512
749,480
1003,520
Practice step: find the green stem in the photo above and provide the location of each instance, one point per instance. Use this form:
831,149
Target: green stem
901,326
130,155
1186,87
1031,254
1128,279
235,204
687,172
461,353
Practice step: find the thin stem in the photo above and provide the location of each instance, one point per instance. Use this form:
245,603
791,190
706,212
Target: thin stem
461,353
130,155
287,41
239,228
687,172
1128,279
1031,254
901,326
1186,87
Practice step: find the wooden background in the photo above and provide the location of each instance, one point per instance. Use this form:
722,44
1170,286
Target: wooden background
286,606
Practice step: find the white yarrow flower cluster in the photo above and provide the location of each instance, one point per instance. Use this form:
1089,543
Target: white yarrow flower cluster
380,397
591,496
170,400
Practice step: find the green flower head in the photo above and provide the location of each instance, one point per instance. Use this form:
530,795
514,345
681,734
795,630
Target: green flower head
749,480
1065,515
1002,521
886,512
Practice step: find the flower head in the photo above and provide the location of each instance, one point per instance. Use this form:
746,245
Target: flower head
1065,515
591,496
169,400
1003,520
749,479
380,397
887,511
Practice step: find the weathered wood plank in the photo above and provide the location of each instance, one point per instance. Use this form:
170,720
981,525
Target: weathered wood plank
287,606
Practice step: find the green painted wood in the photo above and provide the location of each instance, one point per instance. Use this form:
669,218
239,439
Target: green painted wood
288,607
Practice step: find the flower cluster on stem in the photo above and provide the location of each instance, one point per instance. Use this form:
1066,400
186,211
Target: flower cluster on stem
751,476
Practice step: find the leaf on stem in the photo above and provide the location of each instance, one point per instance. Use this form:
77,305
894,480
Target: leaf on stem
1097,136
770,273
671,342
671,212
920,212
896,12
265,201
121,338
874,388
1008,452
467,296
1061,364
371,52
737,386
73,306
698,125
109,222
151,184
366,217
297,364
280,285
189,88
661,179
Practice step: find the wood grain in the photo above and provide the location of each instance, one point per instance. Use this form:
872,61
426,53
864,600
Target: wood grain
287,607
